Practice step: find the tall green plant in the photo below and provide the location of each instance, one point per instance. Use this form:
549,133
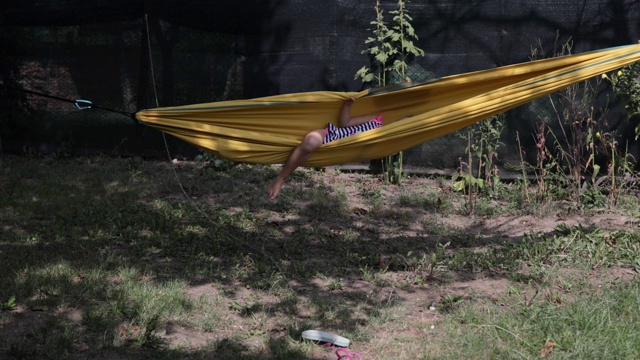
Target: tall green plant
380,50
401,36
626,85
576,144
480,171
390,50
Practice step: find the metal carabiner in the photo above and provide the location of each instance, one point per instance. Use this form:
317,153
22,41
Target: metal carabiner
86,104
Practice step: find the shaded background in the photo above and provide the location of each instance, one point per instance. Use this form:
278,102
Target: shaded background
136,54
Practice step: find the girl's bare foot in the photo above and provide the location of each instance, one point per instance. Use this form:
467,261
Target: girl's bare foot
274,188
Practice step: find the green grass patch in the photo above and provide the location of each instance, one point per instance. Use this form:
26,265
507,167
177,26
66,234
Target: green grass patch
106,257
604,325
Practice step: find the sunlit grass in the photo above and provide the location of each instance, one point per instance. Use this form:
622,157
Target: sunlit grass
108,256
602,326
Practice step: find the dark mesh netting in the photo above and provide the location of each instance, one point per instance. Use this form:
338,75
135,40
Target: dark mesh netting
130,55
90,62
110,65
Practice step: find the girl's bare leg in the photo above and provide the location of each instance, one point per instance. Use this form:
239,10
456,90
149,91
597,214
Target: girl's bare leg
311,142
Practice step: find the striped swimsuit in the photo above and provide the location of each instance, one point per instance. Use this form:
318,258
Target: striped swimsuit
333,133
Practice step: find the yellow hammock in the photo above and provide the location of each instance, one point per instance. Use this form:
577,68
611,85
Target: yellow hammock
265,130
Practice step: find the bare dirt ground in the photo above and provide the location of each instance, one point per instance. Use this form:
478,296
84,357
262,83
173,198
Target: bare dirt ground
382,229
418,318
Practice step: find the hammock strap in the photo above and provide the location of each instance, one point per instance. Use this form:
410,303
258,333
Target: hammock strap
79,103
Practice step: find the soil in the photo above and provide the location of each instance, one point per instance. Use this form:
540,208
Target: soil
419,317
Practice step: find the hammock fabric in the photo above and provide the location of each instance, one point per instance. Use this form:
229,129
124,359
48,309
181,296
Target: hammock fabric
265,130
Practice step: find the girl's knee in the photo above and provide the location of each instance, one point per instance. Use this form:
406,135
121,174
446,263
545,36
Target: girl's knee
312,141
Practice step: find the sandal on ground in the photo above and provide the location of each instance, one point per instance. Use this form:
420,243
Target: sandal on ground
325,337
344,354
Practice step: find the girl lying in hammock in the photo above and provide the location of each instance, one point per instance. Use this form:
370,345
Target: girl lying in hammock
314,139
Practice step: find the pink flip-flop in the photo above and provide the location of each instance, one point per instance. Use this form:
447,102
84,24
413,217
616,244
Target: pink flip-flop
344,354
